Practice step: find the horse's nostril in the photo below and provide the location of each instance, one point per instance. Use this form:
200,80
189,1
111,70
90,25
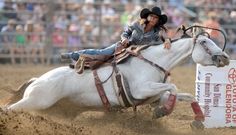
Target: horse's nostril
226,61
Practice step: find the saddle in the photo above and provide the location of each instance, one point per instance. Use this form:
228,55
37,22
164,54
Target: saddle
93,62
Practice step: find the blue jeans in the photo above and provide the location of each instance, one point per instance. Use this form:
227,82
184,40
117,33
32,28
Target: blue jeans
106,51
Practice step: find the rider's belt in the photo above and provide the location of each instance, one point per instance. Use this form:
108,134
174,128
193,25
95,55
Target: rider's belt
101,91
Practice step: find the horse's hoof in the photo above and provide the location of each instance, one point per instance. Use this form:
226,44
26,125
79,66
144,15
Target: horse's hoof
158,112
1,110
4,109
197,125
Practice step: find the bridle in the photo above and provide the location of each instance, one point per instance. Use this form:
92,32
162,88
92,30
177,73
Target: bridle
202,43
202,33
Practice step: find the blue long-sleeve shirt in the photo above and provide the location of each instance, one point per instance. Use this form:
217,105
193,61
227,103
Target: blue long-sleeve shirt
136,35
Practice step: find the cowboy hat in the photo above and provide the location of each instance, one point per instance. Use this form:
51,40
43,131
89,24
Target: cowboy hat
156,11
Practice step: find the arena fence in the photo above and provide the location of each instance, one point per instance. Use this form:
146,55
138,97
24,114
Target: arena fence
55,38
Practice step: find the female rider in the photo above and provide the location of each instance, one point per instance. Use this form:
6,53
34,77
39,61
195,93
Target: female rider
144,31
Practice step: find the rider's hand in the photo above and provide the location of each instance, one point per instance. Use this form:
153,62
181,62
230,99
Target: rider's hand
125,42
167,44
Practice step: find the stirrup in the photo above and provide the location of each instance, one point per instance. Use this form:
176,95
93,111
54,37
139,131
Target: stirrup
79,65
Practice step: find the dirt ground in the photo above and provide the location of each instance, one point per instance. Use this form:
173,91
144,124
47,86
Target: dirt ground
67,119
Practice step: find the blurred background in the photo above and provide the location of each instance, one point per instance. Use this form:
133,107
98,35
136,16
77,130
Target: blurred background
37,31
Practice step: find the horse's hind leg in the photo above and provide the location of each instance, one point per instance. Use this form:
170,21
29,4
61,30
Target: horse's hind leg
23,104
18,94
32,103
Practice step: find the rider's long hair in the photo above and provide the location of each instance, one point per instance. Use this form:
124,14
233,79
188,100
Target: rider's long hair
144,21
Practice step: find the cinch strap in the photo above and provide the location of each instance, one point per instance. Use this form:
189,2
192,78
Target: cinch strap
101,91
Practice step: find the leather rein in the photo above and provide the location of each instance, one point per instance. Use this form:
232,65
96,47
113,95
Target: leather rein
140,56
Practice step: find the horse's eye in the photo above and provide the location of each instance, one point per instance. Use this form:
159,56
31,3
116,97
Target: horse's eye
203,42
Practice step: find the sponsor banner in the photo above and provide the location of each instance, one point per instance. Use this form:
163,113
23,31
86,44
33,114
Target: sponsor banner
216,94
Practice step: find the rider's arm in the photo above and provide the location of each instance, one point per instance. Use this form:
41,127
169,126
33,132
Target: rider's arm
127,33
165,39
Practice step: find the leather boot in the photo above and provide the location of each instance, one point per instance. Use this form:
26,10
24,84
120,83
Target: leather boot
72,66
65,56
79,65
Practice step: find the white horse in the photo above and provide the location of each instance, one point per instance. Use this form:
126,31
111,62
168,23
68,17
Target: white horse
144,80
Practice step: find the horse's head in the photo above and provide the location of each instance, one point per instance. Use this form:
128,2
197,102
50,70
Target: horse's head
206,52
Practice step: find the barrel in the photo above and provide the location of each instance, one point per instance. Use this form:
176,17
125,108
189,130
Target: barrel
216,93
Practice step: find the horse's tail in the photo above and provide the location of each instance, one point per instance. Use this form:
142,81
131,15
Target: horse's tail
16,95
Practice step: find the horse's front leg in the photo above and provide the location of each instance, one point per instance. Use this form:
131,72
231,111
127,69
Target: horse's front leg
166,92
199,116
187,97
150,89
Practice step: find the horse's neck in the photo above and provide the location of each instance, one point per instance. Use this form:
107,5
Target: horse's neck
168,59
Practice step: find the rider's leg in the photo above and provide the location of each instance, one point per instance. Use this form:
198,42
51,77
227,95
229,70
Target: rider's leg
75,55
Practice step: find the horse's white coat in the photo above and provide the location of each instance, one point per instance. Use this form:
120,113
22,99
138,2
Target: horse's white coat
144,80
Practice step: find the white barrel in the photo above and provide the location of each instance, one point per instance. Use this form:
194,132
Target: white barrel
216,93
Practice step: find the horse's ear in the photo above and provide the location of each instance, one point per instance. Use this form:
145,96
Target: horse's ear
178,29
197,28
194,33
182,27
